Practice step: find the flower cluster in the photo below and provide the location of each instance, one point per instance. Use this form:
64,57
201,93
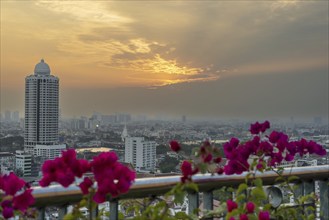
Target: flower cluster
111,176
248,211
63,169
273,148
17,195
207,154
187,171
261,152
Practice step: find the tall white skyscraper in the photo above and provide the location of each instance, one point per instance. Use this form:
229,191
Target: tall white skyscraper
140,153
41,109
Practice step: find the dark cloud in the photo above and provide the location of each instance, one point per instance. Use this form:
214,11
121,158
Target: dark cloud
295,94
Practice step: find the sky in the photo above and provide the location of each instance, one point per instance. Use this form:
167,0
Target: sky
195,58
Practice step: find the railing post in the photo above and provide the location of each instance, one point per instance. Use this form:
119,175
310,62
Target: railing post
324,199
309,187
193,202
62,211
208,203
298,192
114,209
94,212
41,213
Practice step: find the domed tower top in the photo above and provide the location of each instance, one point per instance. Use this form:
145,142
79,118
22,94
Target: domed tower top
42,68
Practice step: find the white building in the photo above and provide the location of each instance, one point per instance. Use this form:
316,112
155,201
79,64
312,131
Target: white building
49,151
41,108
140,153
24,162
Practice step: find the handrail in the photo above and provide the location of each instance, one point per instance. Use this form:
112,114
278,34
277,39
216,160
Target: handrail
144,187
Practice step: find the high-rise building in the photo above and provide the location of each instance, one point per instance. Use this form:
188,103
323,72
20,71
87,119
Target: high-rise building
140,153
41,109
15,116
8,116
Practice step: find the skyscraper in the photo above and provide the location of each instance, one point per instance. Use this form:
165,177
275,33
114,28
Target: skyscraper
41,110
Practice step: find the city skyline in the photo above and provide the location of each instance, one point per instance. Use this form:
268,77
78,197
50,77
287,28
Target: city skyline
228,59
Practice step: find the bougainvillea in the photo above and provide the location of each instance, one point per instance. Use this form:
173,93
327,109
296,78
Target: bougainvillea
17,195
111,176
262,152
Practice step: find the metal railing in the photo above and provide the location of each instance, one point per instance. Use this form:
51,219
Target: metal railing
61,197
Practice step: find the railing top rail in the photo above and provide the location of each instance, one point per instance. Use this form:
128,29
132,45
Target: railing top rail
144,187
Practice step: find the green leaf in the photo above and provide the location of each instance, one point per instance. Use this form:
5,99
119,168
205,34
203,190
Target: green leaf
279,179
192,186
292,178
258,193
242,187
258,182
69,216
181,215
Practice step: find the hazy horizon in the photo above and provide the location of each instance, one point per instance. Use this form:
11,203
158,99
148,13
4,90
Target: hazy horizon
202,59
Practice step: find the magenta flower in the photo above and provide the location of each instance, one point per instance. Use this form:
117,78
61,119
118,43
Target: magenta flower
244,217
12,184
250,207
264,126
231,205
207,158
218,160
175,146
111,176
264,215
187,171
85,185
8,212
23,201
257,127
220,170
63,169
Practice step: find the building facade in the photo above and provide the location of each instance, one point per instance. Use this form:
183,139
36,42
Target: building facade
41,108
140,153
24,162
7,162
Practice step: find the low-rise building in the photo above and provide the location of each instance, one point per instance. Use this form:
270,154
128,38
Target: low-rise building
23,162
49,151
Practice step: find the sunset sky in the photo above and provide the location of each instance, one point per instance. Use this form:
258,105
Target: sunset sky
194,58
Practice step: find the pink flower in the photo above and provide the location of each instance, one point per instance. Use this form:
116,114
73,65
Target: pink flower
217,160
111,176
255,128
99,197
250,207
220,170
175,146
85,185
231,205
23,201
265,126
207,158
232,218
8,212
264,215
244,217
289,157
12,184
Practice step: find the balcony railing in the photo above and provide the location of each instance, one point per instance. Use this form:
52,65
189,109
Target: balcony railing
60,197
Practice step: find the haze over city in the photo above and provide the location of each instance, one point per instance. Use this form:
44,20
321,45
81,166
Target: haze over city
196,58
